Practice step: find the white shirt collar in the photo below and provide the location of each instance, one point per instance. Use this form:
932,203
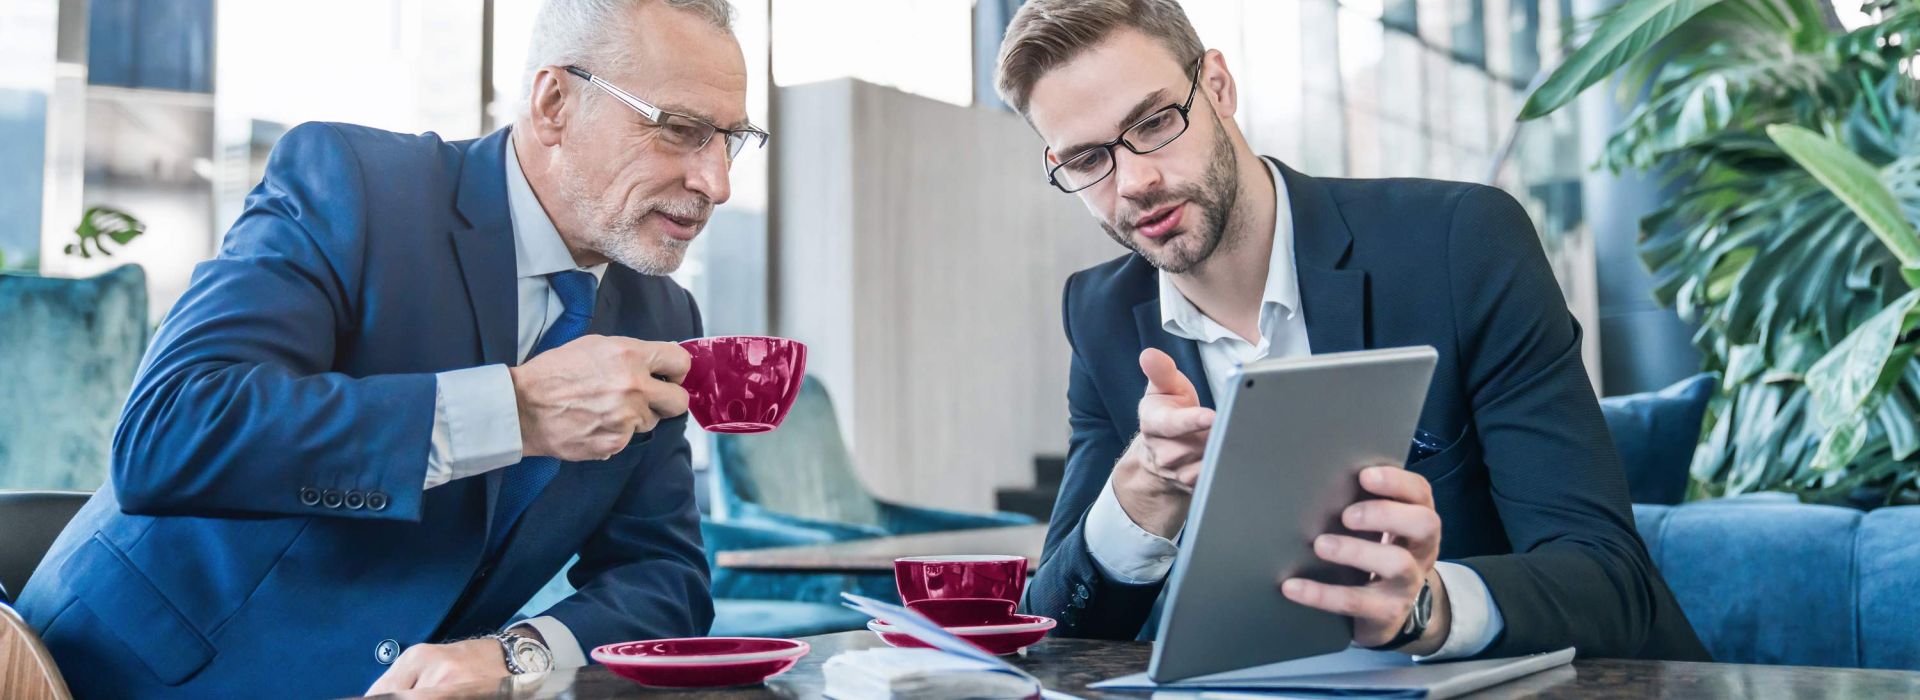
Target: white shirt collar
1279,299
537,248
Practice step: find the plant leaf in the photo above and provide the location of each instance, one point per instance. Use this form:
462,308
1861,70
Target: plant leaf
1628,30
1857,183
1840,446
1860,364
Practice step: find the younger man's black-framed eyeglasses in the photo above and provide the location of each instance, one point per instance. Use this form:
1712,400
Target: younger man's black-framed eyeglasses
1151,133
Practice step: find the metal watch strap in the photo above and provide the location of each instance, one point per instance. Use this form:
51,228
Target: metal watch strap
507,641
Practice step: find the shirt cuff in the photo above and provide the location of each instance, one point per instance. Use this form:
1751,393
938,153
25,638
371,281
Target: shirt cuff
1123,551
1476,620
476,423
560,642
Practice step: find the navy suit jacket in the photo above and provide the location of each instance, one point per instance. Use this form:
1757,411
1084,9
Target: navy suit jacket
265,530
1530,492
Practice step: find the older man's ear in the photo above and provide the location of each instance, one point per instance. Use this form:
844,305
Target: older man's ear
548,109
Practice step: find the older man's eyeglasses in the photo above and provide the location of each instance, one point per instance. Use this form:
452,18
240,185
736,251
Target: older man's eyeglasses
1088,166
680,131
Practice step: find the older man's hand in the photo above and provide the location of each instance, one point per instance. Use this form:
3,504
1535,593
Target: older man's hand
584,400
429,665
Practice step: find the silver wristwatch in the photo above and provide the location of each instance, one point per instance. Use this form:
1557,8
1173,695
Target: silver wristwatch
524,654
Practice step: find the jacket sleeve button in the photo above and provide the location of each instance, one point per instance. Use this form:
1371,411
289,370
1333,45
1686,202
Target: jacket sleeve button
309,496
386,651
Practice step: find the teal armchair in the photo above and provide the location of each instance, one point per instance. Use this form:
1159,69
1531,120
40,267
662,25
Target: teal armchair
71,347
800,478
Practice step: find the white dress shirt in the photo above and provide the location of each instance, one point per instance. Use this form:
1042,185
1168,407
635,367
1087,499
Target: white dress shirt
1129,554
476,417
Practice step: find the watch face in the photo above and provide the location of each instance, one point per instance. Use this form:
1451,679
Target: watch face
531,657
1423,607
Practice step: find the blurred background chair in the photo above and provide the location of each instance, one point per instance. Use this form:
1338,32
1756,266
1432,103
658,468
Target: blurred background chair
29,522
71,348
27,671
801,479
803,474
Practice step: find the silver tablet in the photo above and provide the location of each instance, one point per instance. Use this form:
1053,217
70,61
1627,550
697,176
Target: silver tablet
1281,464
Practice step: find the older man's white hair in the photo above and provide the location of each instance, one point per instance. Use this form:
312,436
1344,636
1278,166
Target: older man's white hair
587,33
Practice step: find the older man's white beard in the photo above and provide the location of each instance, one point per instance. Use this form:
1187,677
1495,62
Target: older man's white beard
620,239
623,242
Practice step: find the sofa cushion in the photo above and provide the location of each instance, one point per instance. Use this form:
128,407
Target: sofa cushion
1766,579
1888,549
1655,433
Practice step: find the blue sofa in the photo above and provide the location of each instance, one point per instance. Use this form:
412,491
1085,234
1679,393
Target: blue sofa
1764,578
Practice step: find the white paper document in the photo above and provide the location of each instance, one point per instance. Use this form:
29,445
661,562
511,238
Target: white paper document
954,668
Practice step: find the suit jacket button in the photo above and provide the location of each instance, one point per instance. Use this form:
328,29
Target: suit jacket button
354,500
376,501
386,651
330,498
309,496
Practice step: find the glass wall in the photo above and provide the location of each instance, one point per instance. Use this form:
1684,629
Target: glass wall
28,32
1414,88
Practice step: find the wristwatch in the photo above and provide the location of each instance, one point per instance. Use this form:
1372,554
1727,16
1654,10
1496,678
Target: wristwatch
1417,619
524,654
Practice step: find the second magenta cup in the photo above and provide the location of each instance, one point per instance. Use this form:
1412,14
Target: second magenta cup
961,589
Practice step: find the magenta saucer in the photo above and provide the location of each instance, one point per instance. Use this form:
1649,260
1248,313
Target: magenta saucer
1002,639
701,662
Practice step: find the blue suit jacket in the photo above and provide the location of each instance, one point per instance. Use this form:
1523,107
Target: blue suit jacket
266,530
1529,489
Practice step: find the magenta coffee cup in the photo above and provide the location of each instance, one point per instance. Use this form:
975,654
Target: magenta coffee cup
743,383
989,576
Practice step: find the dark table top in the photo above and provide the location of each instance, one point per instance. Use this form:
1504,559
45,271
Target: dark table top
877,554
1068,665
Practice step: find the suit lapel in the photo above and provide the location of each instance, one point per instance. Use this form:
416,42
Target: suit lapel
1333,296
484,246
1185,353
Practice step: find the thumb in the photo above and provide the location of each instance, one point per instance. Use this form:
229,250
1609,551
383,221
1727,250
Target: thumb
1163,377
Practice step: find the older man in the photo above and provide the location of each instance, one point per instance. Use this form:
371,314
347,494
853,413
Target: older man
418,378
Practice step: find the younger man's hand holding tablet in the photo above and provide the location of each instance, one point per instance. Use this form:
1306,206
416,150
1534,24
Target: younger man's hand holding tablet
1154,482
1399,566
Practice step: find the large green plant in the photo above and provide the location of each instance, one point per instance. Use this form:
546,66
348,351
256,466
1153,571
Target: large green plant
1792,149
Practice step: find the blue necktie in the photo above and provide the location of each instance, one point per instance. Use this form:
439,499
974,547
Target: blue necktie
524,481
